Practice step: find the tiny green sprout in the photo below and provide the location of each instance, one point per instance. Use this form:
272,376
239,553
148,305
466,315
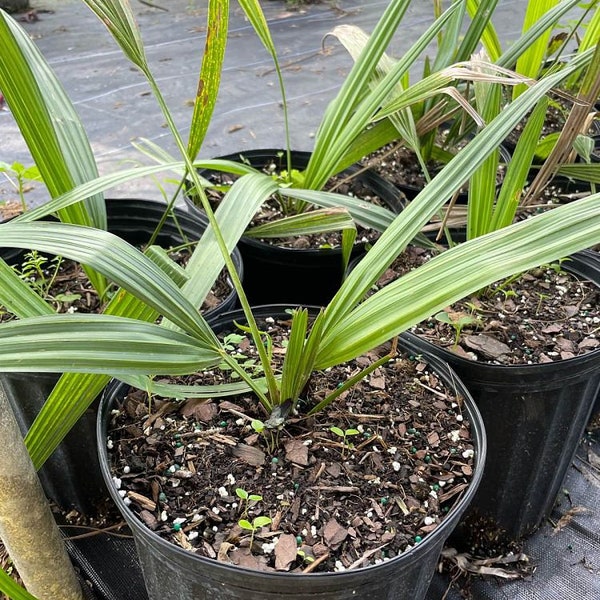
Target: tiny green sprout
503,286
293,177
306,558
242,494
257,425
231,341
67,298
344,434
253,527
507,293
472,307
541,298
556,266
270,436
457,322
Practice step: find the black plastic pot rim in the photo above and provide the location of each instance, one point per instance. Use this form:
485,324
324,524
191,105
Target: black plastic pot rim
382,184
408,556
288,252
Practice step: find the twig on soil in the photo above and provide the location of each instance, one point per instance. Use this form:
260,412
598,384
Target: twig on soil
342,489
429,389
313,565
364,557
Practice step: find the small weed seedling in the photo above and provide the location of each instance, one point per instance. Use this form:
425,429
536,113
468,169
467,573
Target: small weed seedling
306,558
231,343
457,322
257,425
503,287
39,272
541,298
270,435
22,174
243,495
507,293
253,527
556,266
344,434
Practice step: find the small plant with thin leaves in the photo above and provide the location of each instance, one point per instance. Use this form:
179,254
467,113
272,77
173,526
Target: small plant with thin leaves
231,344
21,175
458,322
306,558
39,271
344,434
541,299
246,498
269,433
506,292
557,265
255,525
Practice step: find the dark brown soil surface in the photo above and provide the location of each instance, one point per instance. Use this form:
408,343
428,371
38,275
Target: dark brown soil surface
398,164
65,284
545,315
61,282
271,211
333,503
556,117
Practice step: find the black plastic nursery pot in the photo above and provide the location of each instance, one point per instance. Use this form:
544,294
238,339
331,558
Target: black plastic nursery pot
276,274
534,416
171,573
71,476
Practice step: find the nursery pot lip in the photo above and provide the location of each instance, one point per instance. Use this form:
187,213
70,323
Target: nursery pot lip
301,158
408,556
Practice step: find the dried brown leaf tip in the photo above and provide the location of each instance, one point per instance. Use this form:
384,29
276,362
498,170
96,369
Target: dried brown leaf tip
568,517
509,566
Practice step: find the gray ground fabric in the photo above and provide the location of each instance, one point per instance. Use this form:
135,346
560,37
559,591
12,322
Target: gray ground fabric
568,560
115,106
